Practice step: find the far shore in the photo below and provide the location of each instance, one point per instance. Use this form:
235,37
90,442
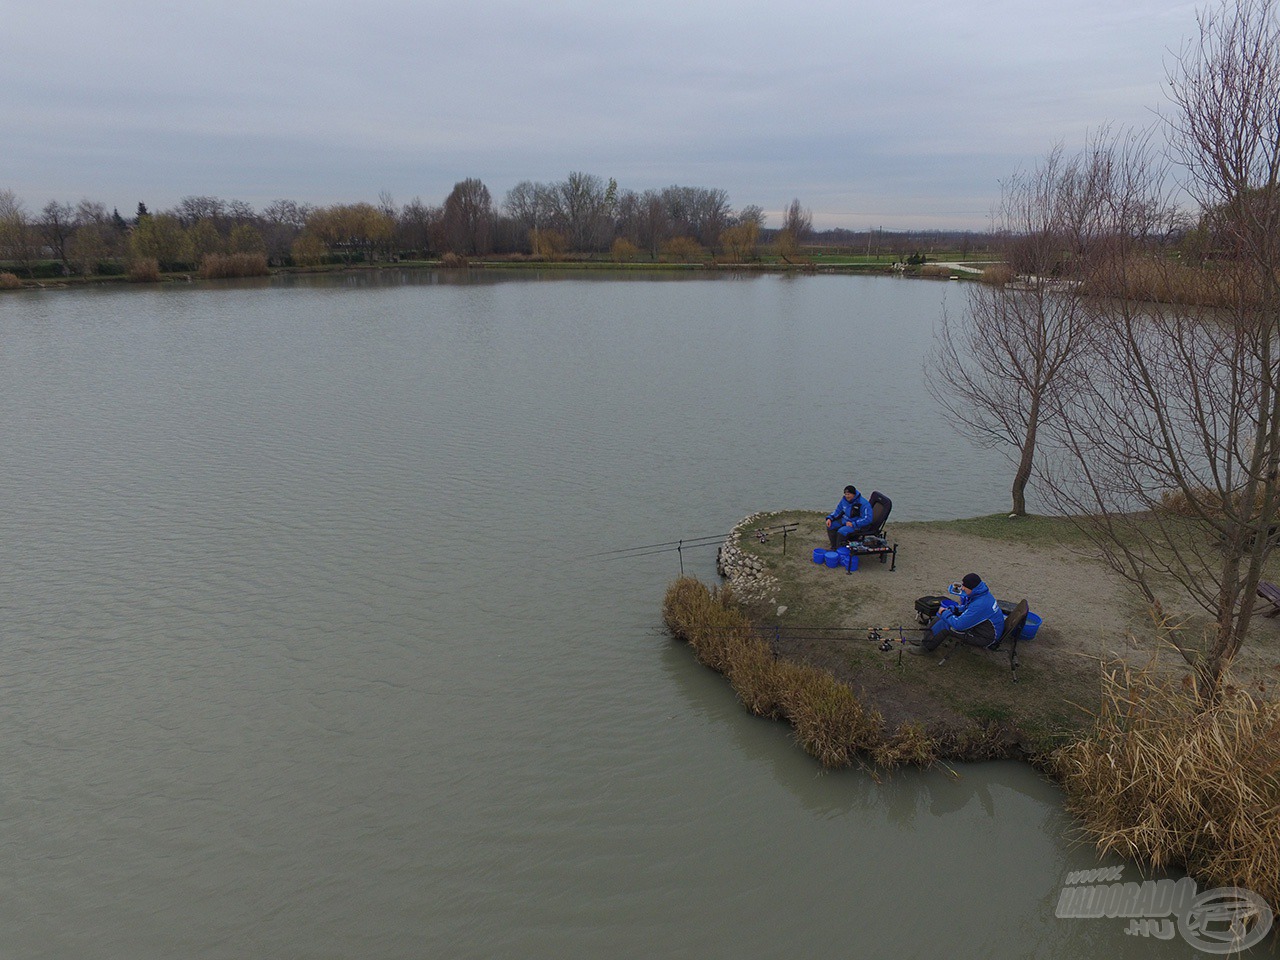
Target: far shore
951,269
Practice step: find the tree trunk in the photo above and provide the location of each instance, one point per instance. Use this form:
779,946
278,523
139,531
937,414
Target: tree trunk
1023,473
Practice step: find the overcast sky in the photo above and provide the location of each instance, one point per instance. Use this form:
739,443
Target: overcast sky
894,115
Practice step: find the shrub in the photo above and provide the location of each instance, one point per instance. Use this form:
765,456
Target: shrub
548,244
624,251
10,281
308,250
144,270
684,250
219,266
763,683
1206,502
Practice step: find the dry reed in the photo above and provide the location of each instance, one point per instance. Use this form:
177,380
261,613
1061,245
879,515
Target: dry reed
911,744
219,266
1159,280
998,274
145,270
1162,781
830,722
10,281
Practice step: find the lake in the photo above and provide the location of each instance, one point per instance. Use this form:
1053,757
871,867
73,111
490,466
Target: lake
308,651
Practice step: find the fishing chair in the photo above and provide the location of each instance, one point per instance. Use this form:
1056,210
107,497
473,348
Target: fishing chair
1013,624
871,541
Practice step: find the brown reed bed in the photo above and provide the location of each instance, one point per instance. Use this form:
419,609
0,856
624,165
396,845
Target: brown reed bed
1162,781
144,270
224,266
997,275
1161,280
830,722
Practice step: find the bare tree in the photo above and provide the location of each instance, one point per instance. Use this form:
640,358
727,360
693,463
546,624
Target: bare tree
416,224
1003,372
797,220
16,240
1170,451
191,210
468,217
57,222
282,222
653,222
96,236
751,214
698,212
584,210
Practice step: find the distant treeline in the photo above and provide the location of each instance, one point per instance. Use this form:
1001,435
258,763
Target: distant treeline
581,216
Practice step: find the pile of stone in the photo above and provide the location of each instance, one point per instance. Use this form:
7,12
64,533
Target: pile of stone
747,575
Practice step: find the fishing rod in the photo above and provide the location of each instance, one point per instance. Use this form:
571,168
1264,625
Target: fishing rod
692,541
882,636
678,546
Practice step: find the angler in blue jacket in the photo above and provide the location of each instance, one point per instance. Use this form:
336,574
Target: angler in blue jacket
852,513
977,619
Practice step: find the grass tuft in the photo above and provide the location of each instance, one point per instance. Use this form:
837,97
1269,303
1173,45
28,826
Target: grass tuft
910,745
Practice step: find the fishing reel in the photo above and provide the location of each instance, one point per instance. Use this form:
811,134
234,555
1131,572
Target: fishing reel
885,643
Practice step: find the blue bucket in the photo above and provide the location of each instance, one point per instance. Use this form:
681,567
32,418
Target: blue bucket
850,563
831,557
844,553
1030,627
819,555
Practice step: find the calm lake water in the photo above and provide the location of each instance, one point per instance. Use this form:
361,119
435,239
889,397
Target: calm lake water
305,654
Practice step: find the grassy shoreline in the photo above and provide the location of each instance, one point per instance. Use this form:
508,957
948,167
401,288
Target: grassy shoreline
852,265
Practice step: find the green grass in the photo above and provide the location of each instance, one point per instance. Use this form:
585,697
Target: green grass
1031,529
986,712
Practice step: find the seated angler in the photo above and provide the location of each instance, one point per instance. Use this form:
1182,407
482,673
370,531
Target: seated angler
977,619
852,513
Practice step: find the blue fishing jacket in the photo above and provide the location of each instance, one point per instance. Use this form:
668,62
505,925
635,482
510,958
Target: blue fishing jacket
854,513
971,610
